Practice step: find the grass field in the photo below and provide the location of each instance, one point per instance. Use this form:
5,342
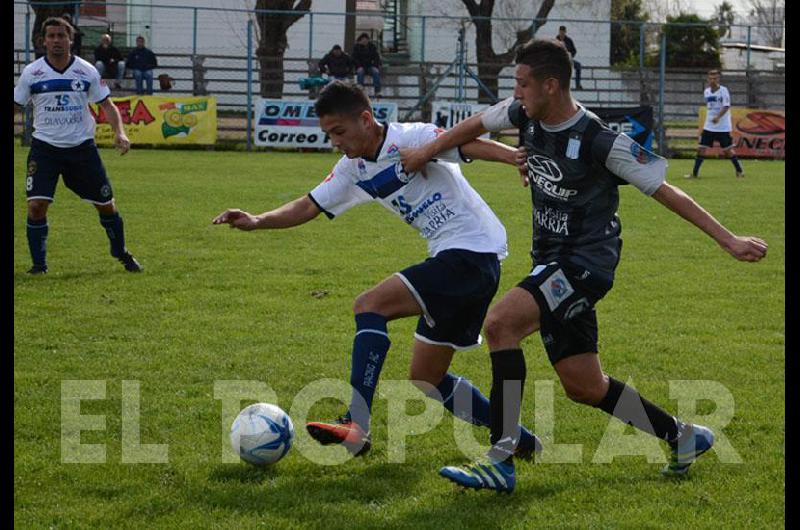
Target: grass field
215,304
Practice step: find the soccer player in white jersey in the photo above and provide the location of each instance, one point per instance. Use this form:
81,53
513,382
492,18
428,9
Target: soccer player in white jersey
61,85
450,291
717,127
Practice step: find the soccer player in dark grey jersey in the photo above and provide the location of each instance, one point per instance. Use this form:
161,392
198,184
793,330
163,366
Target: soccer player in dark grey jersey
573,164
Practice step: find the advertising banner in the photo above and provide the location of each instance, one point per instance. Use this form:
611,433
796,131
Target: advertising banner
757,133
636,122
445,114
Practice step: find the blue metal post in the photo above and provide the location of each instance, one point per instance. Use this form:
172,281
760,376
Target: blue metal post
249,85
749,28
26,114
422,50
641,45
661,89
310,35
194,33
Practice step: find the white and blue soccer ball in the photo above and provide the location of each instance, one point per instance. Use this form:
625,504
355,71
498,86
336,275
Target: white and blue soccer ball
262,434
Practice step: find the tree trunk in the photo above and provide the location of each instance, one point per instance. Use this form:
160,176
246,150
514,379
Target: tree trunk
273,43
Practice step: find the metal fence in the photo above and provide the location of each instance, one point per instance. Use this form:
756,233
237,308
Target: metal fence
214,50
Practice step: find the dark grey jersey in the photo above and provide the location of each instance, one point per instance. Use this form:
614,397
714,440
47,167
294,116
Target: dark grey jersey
574,170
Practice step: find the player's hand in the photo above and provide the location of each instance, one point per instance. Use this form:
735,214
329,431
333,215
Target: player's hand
122,143
521,159
747,248
414,160
237,219
715,119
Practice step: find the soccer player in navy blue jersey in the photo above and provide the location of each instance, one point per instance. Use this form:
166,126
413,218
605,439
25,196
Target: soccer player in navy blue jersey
449,292
573,164
61,85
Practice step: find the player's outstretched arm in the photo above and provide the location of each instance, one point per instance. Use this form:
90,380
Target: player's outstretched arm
294,213
743,248
414,159
115,120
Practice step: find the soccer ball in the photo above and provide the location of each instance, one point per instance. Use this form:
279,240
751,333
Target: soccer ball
262,434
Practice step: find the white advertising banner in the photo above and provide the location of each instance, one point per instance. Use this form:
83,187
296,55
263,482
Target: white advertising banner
445,114
290,123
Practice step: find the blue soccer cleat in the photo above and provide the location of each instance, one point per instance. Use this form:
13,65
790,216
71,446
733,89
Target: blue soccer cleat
484,474
686,453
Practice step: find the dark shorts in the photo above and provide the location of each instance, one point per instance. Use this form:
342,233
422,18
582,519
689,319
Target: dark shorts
566,295
80,166
708,138
454,289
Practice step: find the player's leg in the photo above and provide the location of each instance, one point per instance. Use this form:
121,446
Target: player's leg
704,143
726,142
389,300
44,166
138,76
429,372
86,176
148,77
585,382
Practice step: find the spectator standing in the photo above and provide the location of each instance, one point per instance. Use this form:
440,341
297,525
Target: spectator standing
562,36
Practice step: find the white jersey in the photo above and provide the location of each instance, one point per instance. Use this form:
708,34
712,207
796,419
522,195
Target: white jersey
60,100
715,102
443,207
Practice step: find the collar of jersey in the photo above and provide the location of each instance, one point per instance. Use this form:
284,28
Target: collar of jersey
71,60
564,125
380,147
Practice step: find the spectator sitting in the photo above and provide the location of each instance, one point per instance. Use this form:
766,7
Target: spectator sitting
336,64
367,59
141,62
108,61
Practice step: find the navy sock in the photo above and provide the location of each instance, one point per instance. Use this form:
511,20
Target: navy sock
508,368
697,162
736,164
370,346
480,410
115,232
37,240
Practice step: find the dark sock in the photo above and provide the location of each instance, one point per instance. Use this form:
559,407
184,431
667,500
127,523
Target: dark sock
115,232
626,404
697,162
508,370
37,240
458,393
369,351
736,164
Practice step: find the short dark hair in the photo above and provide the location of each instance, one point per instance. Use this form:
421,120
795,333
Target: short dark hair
58,21
546,58
562,27
336,47
714,71
363,36
342,97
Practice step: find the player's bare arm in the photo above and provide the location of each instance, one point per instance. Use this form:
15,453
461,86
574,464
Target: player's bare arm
415,159
115,120
743,248
293,213
720,115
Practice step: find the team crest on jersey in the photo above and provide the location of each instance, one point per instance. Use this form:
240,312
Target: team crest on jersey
362,168
32,167
77,85
402,176
642,155
393,149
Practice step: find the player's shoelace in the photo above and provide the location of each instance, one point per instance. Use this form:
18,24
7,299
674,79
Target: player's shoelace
483,474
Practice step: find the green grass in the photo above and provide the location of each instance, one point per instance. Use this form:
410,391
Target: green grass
215,304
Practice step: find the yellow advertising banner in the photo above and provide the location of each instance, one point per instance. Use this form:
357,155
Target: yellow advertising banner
161,120
757,133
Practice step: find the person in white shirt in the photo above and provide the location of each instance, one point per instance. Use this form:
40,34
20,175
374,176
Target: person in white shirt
718,125
450,291
60,86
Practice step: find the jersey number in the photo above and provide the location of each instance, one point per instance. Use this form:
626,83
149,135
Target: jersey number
401,205
63,100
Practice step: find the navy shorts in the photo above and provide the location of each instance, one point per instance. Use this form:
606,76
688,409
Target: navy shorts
708,138
80,166
566,294
454,289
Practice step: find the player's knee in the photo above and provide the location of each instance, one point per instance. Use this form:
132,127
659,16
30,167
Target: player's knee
37,209
365,303
424,379
497,330
586,394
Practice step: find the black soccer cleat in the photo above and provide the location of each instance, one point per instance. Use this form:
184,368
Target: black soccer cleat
38,269
130,263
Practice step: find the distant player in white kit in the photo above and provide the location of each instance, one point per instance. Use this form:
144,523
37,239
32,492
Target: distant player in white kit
450,291
718,125
61,85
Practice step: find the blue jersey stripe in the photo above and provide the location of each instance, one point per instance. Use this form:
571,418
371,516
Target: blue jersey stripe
59,85
383,184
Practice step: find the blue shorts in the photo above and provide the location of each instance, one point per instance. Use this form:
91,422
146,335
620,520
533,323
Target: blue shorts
566,295
80,166
454,290
708,138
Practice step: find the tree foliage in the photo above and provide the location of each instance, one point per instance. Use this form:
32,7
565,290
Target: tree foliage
625,37
691,46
